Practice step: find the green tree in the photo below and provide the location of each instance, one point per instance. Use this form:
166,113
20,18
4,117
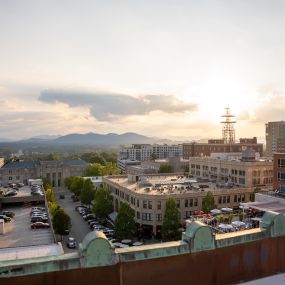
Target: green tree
110,156
87,193
94,169
53,156
208,203
165,169
76,185
46,183
61,222
252,195
125,226
170,225
68,181
94,157
110,169
103,205
50,195
53,207
153,156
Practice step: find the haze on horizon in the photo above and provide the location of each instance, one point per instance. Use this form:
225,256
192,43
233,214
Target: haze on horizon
159,68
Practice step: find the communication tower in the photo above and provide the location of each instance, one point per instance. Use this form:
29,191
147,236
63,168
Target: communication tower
228,127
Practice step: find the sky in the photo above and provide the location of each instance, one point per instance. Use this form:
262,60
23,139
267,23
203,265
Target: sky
160,68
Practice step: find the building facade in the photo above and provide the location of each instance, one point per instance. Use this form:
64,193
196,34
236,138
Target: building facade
279,172
147,195
237,172
218,146
55,171
142,152
275,137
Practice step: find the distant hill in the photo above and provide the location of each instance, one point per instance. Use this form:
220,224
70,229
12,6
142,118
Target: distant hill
101,139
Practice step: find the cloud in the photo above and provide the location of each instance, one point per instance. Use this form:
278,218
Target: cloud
106,106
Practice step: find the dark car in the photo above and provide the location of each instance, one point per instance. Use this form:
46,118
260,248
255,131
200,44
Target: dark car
89,217
61,196
39,225
9,214
5,218
71,242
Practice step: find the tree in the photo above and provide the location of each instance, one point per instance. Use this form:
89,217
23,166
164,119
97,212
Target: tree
94,157
94,169
76,185
153,156
165,169
125,226
61,222
87,193
171,224
103,205
46,183
208,203
50,195
68,181
53,207
53,156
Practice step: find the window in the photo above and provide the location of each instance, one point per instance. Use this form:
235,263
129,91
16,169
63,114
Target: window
138,203
281,176
158,205
195,202
138,215
191,202
228,199
150,204
178,203
144,204
10,178
144,216
235,198
17,177
281,162
158,217
224,199
186,203
220,200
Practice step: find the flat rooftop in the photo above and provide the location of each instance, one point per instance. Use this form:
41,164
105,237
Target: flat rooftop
162,185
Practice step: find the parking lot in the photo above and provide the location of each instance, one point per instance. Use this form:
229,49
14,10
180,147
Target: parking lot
19,233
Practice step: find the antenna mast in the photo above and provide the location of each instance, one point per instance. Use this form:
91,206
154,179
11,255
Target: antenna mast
228,127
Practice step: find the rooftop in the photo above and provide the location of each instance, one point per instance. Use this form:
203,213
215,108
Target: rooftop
164,184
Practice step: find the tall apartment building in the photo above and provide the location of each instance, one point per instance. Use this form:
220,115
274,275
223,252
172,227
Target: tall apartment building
142,152
275,137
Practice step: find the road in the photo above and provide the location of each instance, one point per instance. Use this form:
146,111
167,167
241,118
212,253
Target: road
79,227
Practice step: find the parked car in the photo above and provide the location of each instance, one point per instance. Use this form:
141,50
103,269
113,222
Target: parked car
10,193
5,218
39,219
71,242
9,214
19,184
39,225
61,196
89,217
92,220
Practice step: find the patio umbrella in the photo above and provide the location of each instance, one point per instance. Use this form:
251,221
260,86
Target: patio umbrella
216,211
227,210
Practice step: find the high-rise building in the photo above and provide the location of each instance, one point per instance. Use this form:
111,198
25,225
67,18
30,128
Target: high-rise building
275,137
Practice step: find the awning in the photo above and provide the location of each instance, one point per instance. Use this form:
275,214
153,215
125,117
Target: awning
275,206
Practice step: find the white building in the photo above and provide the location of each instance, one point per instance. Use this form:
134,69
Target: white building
142,152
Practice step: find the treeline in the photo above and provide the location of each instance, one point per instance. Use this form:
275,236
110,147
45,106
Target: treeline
103,157
60,219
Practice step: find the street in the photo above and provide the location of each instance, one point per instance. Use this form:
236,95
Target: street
79,228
